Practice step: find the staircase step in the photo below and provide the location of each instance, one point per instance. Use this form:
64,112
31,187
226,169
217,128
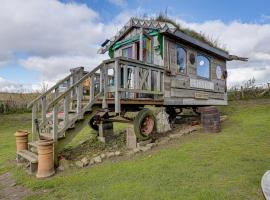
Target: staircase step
28,155
46,136
33,147
32,144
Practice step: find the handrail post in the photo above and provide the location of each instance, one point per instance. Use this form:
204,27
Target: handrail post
79,98
158,81
125,80
116,78
137,80
34,127
55,117
92,88
66,108
43,109
104,84
149,79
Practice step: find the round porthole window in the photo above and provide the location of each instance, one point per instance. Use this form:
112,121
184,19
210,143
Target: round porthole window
219,72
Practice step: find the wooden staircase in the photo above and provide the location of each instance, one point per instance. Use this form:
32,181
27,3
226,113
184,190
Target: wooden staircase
63,110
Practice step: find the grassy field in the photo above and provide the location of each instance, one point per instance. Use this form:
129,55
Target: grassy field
228,165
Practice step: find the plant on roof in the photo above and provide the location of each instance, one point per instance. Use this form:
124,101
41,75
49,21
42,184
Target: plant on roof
199,36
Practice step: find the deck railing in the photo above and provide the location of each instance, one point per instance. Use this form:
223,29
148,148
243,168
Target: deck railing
118,78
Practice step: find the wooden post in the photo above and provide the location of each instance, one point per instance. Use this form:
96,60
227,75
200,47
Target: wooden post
79,98
55,117
101,80
117,84
66,109
92,88
158,81
149,79
105,76
34,116
141,44
43,109
125,80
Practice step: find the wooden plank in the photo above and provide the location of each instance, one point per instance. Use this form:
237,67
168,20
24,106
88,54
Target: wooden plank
191,93
28,155
140,91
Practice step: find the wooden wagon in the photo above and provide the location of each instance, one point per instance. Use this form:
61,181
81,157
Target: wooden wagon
152,62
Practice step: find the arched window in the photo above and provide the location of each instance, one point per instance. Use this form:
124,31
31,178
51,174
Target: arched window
181,59
203,66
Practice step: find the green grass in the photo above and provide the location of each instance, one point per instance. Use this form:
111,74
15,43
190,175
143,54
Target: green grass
228,165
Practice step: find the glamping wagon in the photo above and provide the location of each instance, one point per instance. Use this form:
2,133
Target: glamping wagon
152,62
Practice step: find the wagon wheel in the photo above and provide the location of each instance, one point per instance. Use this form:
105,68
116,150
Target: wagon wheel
144,124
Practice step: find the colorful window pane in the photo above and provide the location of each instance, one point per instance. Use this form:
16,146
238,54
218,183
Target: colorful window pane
127,52
147,50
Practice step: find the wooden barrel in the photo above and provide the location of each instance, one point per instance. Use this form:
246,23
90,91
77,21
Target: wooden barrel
210,119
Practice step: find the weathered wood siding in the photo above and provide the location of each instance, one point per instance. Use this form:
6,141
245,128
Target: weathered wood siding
189,86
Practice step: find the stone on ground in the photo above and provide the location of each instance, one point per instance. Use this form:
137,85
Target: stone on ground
85,161
79,164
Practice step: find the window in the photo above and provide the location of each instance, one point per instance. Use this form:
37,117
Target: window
181,59
147,50
203,66
127,52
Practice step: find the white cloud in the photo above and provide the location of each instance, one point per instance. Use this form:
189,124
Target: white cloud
54,68
10,86
56,36
48,28
243,39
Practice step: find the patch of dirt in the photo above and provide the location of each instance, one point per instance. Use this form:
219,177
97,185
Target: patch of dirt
10,190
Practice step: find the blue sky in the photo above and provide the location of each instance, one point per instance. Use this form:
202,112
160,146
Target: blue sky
43,36
250,11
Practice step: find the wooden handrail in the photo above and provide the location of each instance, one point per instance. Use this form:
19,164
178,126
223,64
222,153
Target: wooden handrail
51,89
56,100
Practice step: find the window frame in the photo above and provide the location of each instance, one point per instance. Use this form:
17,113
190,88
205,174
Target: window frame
210,65
126,47
185,49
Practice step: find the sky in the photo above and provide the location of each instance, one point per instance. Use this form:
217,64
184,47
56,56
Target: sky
40,40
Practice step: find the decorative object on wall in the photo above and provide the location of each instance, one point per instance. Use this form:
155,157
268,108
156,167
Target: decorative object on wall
192,58
219,72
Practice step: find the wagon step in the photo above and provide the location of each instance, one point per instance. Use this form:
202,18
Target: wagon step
30,157
33,147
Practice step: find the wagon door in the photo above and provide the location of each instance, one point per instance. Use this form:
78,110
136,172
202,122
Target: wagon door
172,58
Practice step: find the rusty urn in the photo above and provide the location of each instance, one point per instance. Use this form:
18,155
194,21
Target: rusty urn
21,140
45,159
